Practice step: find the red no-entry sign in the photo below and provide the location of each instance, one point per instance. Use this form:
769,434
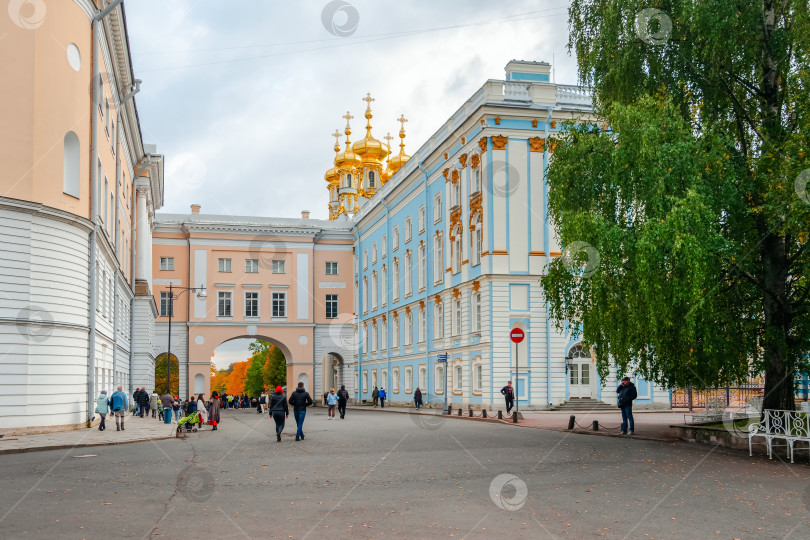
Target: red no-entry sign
517,335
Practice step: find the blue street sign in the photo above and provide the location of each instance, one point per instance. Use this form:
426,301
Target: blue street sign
442,358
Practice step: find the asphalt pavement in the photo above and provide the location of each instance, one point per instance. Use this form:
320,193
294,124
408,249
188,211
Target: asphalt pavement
386,474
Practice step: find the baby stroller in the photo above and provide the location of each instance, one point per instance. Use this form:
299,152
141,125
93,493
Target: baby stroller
189,422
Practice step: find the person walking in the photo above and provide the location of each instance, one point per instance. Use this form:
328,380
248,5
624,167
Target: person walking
167,400
176,408
343,399
279,411
300,400
626,393
202,409
375,396
417,398
230,401
153,402
102,408
143,402
263,401
382,395
119,405
213,411
509,396
135,395
331,401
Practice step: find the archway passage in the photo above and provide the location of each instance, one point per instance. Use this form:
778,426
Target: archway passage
160,375
263,368
333,371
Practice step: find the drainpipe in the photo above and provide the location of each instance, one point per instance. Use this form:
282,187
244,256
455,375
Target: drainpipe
312,295
548,260
117,143
387,296
427,348
94,182
358,242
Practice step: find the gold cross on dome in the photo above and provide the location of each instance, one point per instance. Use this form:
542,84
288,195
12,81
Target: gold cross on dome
388,138
368,99
336,135
348,116
402,120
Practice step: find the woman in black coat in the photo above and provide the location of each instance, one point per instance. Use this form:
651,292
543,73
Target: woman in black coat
279,411
417,398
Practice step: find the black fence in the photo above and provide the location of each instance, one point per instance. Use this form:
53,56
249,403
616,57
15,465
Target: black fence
733,396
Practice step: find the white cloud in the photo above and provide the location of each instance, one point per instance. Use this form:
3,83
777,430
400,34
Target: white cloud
249,133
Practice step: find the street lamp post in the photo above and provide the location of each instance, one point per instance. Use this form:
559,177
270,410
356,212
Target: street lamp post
172,297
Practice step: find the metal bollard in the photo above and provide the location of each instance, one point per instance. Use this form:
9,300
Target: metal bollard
500,415
596,425
459,411
571,421
471,414
449,410
484,413
514,417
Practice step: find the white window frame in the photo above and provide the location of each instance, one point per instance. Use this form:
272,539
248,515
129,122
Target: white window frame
438,378
281,298
421,258
374,253
477,375
331,268
330,300
422,378
477,236
167,263
438,212
438,320
457,317
408,329
279,266
384,246
384,286
475,312
384,335
247,302
458,376
438,258
166,304
365,259
408,274
374,290
395,380
224,264
476,179
251,266
422,325
365,294
408,230
224,304
395,282
422,219
395,239
455,253
394,331
408,379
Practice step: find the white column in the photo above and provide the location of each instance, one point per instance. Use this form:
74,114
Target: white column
143,239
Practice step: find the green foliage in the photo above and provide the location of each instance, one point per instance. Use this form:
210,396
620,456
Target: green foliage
275,369
160,375
254,385
690,198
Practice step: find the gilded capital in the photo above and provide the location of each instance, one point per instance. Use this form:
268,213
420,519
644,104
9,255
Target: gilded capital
499,142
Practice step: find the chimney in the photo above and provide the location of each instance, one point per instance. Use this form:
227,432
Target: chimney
304,214
195,208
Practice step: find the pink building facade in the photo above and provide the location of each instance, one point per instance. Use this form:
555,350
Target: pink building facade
286,281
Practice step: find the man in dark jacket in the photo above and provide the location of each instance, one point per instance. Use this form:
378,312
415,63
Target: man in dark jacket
509,396
626,393
279,411
300,400
343,398
375,396
143,402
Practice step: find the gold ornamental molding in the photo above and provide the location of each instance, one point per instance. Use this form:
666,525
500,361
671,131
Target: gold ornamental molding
407,310
446,155
476,286
421,304
395,315
437,299
476,159
482,142
555,254
499,142
463,140
552,145
454,176
553,124
384,319
499,252
446,174
534,122
456,293
536,144
463,160
497,120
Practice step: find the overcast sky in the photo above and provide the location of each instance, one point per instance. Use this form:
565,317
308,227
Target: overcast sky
241,97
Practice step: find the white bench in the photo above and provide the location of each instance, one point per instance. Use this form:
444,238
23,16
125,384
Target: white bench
789,426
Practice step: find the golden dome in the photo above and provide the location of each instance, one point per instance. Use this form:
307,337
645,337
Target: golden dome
369,148
332,175
347,159
395,163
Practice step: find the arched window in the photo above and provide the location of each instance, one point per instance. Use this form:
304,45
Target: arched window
371,179
349,180
199,383
71,165
476,234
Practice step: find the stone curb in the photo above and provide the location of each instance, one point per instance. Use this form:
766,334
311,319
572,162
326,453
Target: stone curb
79,445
